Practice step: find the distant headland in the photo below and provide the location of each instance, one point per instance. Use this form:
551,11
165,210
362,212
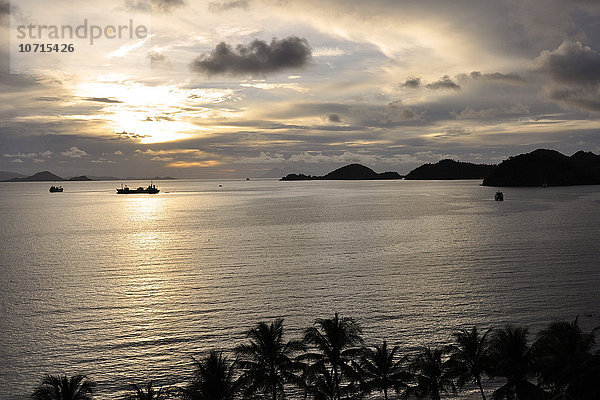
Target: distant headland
47,176
348,172
545,167
541,167
450,169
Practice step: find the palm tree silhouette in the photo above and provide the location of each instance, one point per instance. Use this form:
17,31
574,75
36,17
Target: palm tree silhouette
433,374
317,382
336,340
77,387
469,356
214,379
511,358
562,354
267,361
380,370
139,393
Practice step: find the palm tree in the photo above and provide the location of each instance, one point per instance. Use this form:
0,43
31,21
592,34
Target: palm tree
511,358
469,356
317,382
148,394
433,374
336,340
380,370
77,387
267,361
214,379
562,354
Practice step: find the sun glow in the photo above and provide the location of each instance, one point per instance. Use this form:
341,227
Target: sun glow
153,114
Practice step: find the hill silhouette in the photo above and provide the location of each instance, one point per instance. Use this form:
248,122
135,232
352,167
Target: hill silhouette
546,167
6,175
450,169
348,172
44,176
80,178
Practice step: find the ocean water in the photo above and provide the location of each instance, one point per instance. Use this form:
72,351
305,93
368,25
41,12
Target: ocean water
127,288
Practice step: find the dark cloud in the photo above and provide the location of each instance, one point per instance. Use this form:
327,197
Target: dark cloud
495,77
258,57
492,112
334,118
138,5
49,98
160,118
444,83
412,83
4,8
572,73
220,6
166,5
571,62
578,97
131,135
158,59
101,99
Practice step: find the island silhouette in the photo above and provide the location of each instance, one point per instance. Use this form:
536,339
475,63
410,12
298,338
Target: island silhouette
348,172
544,167
47,176
450,169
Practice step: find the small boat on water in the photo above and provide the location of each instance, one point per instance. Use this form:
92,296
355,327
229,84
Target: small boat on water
499,196
151,189
56,189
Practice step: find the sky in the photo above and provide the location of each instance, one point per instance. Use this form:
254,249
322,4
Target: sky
261,88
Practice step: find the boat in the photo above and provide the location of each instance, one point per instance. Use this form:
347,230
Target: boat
56,189
499,196
151,189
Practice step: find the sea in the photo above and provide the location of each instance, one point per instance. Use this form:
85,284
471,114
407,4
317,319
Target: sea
132,288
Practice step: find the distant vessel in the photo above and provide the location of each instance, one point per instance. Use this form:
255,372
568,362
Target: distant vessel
151,189
56,189
499,196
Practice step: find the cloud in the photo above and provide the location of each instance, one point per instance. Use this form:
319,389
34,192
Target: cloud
511,78
571,62
412,83
192,164
34,156
271,86
101,99
454,131
138,5
158,59
74,152
350,157
334,118
263,158
4,7
490,113
572,75
220,6
444,83
49,98
132,135
166,5
328,52
258,57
